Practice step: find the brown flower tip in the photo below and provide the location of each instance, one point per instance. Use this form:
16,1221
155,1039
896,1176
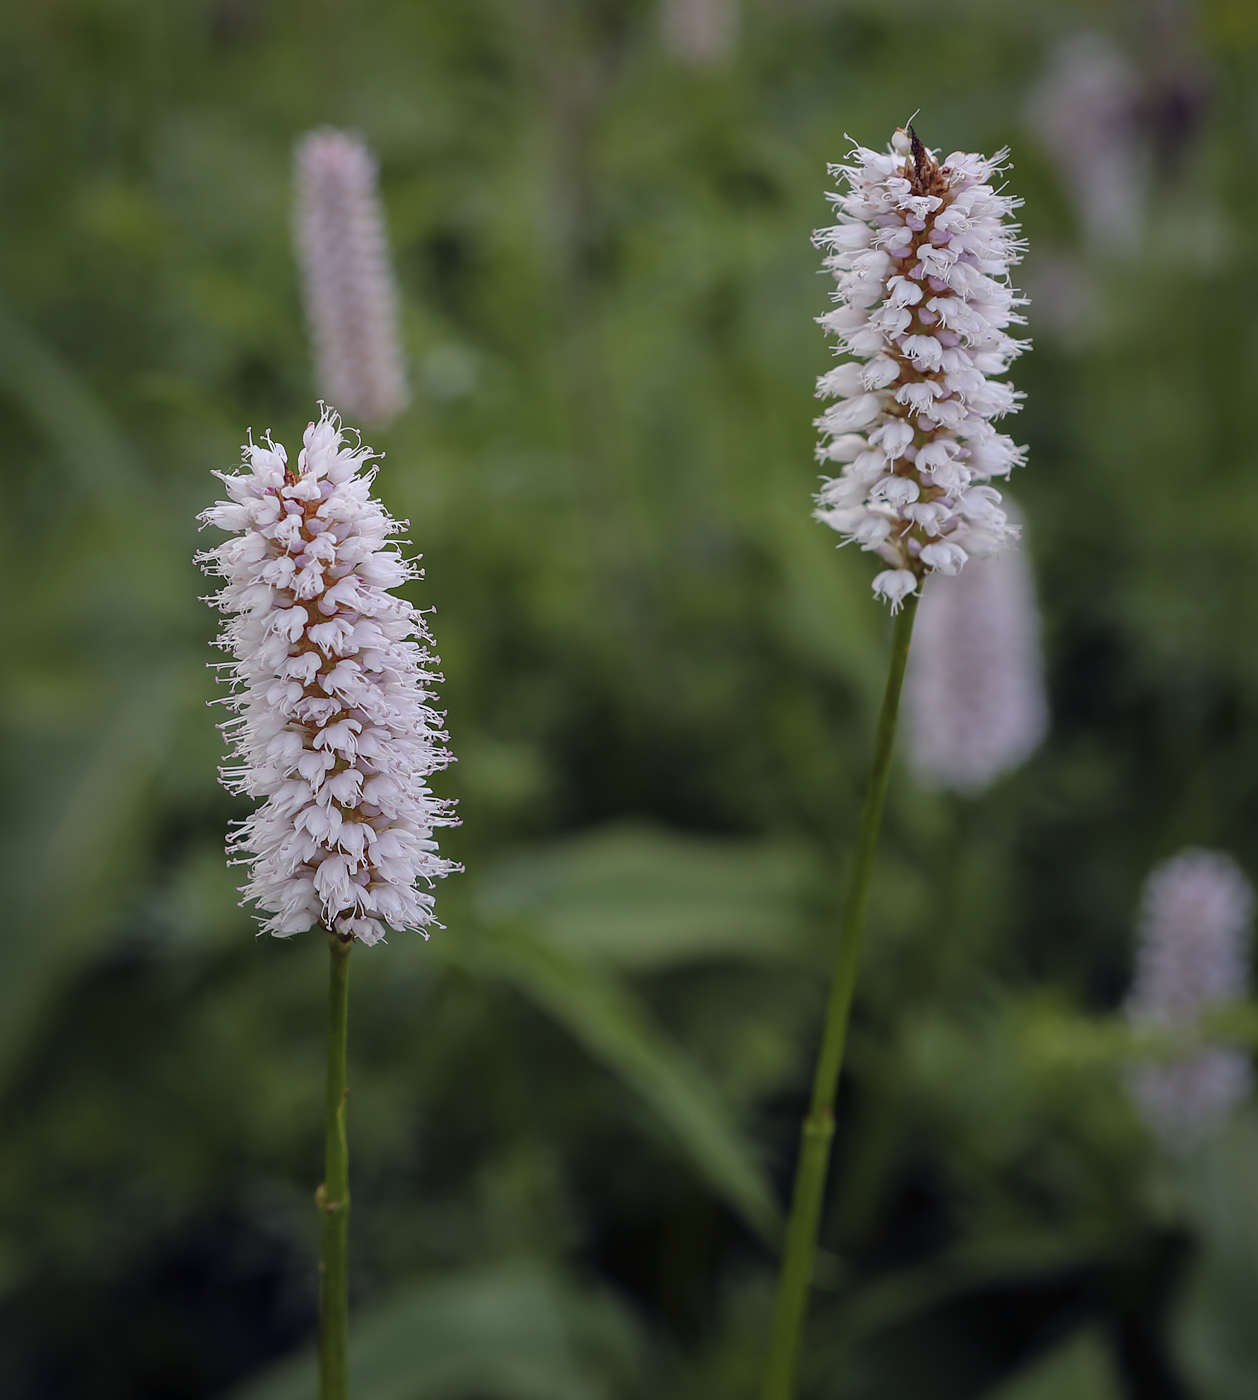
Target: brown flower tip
925,176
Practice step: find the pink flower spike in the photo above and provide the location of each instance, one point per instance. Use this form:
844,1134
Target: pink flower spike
335,730
347,278
1191,957
930,398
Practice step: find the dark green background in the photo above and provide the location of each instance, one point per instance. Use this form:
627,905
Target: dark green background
660,684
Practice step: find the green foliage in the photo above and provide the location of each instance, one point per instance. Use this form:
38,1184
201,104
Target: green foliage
643,900
1081,1368
613,1028
511,1332
1214,1336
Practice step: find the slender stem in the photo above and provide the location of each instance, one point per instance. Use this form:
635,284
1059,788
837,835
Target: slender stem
332,1197
818,1131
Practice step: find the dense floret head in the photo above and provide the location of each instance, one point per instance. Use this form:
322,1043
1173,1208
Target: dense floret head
332,687
921,255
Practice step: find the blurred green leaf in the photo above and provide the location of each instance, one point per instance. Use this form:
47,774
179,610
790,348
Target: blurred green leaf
615,1029
1214,1334
889,1299
641,899
84,859
865,1308
512,1332
65,410
1079,1368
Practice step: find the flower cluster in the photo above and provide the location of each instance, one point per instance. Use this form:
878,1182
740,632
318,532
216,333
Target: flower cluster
921,257
1191,957
331,681
347,277
974,692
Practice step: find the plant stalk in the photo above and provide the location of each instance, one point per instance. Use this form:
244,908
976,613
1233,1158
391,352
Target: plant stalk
802,1225
332,1198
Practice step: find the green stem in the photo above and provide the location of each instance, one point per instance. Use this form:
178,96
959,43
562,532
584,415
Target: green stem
818,1131
332,1197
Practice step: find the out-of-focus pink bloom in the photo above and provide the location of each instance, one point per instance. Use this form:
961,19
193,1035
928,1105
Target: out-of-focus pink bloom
347,278
1191,957
974,697
702,33
1084,113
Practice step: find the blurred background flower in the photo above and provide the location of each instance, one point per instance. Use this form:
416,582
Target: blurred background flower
975,705
575,1109
1191,960
699,32
1085,113
347,278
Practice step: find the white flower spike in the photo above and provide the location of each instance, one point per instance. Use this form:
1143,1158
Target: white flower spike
921,257
332,678
1191,957
347,278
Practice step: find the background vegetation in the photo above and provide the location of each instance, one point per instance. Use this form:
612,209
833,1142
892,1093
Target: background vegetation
574,1110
